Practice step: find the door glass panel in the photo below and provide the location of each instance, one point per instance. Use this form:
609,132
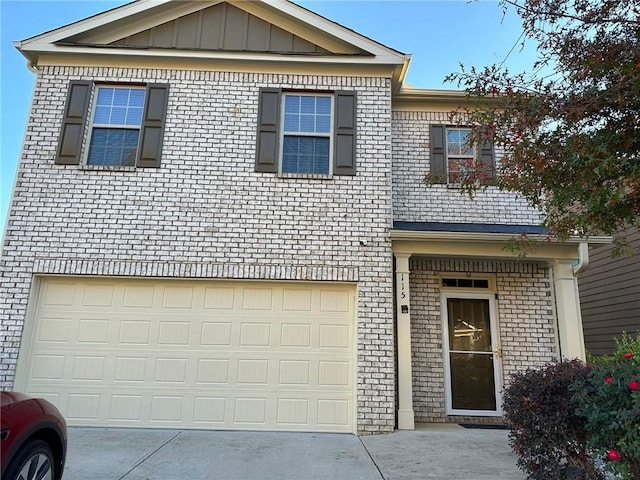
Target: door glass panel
469,325
471,354
472,383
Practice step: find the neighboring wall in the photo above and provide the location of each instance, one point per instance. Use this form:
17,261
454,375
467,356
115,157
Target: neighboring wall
610,296
525,323
205,213
415,201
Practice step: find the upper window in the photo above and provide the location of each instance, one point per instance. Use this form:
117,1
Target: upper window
460,155
454,158
115,129
306,134
126,125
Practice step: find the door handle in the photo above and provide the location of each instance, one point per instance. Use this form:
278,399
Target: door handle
497,352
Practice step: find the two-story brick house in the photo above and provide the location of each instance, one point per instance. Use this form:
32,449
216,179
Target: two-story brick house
220,221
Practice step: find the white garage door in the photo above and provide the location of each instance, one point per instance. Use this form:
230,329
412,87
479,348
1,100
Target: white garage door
194,354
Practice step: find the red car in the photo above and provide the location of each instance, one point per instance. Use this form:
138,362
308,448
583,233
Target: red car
33,439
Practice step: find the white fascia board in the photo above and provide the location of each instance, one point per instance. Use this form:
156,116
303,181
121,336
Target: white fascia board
336,30
96,21
169,11
410,93
63,50
408,98
490,237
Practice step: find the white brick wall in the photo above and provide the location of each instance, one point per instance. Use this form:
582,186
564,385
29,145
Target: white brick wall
415,201
206,213
525,320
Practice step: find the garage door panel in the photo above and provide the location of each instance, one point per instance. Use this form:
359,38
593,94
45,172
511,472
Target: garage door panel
130,369
295,335
138,297
196,354
174,333
255,334
54,329
48,367
99,295
94,331
247,408
335,301
57,293
297,300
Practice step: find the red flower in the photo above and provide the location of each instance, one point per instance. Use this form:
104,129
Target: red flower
634,385
628,355
608,379
613,455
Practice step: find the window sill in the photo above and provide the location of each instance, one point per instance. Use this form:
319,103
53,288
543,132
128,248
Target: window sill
108,168
308,176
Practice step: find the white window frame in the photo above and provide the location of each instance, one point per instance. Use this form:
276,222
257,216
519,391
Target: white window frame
451,156
92,125
329,135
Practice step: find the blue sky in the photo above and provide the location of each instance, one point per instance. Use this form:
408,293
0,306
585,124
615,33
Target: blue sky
438,34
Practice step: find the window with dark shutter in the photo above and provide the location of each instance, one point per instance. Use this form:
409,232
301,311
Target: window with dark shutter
306,133
268,123
73,123
344,159
487,160
452,158
438,155
152,131
126,127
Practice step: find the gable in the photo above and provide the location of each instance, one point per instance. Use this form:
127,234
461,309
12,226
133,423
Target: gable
207,27
260,35
220,27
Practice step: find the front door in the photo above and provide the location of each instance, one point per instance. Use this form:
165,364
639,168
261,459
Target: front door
471,354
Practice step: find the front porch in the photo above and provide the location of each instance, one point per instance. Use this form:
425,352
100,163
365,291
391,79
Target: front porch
470,313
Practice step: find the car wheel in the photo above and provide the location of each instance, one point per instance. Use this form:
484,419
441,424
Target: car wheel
33,462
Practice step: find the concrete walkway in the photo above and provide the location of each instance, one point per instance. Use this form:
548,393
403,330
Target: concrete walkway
430,452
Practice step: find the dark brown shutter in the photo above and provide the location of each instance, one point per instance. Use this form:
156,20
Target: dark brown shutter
268,124
344,155
488,160
437,151
75,116
151,133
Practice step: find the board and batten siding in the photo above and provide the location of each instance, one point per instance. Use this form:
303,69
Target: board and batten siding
610,296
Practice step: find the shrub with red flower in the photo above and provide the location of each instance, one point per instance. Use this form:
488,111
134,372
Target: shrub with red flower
613,455
612,408
576,420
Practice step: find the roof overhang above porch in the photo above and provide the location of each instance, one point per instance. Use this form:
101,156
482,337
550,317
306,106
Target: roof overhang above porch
485,241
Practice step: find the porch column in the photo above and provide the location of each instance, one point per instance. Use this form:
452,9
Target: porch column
568,308
405,378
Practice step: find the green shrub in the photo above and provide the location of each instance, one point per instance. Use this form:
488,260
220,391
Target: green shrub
609,400
546,432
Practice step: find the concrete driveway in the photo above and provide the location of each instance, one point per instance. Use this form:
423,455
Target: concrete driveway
430,452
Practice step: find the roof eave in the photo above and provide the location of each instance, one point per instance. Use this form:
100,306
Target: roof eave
412,96
491,237
32,53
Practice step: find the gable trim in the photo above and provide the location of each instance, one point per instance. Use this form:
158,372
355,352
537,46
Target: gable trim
129,19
